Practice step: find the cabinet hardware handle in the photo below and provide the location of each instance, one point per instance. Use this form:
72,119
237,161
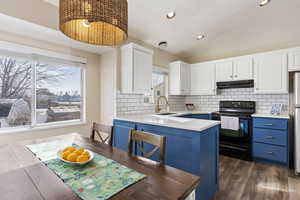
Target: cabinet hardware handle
231,76
269,137
235,76
268,124
256,88
270,153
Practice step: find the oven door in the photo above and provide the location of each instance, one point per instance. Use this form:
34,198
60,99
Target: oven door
236,143
242,134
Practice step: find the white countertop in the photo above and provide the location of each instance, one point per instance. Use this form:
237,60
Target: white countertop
170,121
282,116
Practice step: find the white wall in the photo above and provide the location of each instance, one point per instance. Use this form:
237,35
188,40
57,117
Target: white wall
108,84
92,90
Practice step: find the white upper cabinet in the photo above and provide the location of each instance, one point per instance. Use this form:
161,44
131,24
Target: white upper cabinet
179,78
203,79
271,73
136,69
294,60
235,69
224,71
243,69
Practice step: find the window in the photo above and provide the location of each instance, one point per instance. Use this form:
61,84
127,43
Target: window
159,83
36,91
15,92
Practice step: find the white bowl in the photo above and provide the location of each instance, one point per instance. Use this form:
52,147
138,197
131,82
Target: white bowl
76,163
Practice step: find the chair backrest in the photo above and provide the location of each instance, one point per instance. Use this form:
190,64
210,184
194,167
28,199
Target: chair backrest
104,133
140,137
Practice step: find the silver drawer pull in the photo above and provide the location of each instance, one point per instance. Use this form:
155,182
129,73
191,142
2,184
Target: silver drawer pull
268,124
270,153
269,137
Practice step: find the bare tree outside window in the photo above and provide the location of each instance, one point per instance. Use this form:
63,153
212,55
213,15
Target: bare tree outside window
15,92
58,92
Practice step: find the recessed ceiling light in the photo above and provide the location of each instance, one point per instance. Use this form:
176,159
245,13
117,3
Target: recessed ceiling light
163,44
171,15
200,37
264,3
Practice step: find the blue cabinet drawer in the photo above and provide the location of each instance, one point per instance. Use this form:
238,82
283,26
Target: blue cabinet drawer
270,152
270,136
270,123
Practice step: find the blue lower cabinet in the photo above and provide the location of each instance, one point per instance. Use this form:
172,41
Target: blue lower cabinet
121,134
190,151
270,152
197,116
269,136
271,141
270,123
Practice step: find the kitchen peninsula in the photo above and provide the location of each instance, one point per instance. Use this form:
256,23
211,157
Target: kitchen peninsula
192,145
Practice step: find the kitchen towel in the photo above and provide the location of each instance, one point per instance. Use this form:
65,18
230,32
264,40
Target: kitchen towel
231,123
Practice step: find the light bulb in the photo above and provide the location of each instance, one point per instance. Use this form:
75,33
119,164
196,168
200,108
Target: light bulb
86,23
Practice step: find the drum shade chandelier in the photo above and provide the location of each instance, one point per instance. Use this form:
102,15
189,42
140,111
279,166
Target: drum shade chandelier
98,22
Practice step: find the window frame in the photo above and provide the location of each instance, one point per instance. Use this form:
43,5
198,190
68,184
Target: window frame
33,53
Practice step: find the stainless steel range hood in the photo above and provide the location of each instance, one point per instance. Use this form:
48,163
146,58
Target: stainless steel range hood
235,84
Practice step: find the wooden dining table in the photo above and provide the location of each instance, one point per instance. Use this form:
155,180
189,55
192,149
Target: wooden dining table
24,177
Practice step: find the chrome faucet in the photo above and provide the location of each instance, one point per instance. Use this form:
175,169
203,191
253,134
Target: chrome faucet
157,106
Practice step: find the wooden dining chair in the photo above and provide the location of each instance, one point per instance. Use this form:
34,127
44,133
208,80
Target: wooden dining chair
140,137
104,132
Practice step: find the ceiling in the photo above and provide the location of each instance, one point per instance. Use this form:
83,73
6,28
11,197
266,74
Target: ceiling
17,26
231,27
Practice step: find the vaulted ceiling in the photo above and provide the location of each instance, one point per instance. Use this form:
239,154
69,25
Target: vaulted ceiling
231,27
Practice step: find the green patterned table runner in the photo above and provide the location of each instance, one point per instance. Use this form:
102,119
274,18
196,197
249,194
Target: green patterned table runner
100,179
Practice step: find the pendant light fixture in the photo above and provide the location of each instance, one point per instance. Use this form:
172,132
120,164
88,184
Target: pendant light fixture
98,22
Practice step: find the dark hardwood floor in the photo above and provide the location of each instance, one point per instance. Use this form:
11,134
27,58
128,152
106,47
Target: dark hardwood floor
243,180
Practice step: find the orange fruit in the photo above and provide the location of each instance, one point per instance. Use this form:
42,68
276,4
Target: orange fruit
71,149
78,151
65,154
72,157
86,153
82,159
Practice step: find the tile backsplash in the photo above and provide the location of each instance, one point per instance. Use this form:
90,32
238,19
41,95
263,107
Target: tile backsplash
263,101
132,103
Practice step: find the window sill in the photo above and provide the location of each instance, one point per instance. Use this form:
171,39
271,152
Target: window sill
43,127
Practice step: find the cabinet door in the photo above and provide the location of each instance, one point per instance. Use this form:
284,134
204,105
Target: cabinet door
203,79
185,78
294,60
271,74
224,71
142,62
121,134
243,69
174,78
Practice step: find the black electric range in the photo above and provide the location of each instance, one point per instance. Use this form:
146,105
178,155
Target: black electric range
236,143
